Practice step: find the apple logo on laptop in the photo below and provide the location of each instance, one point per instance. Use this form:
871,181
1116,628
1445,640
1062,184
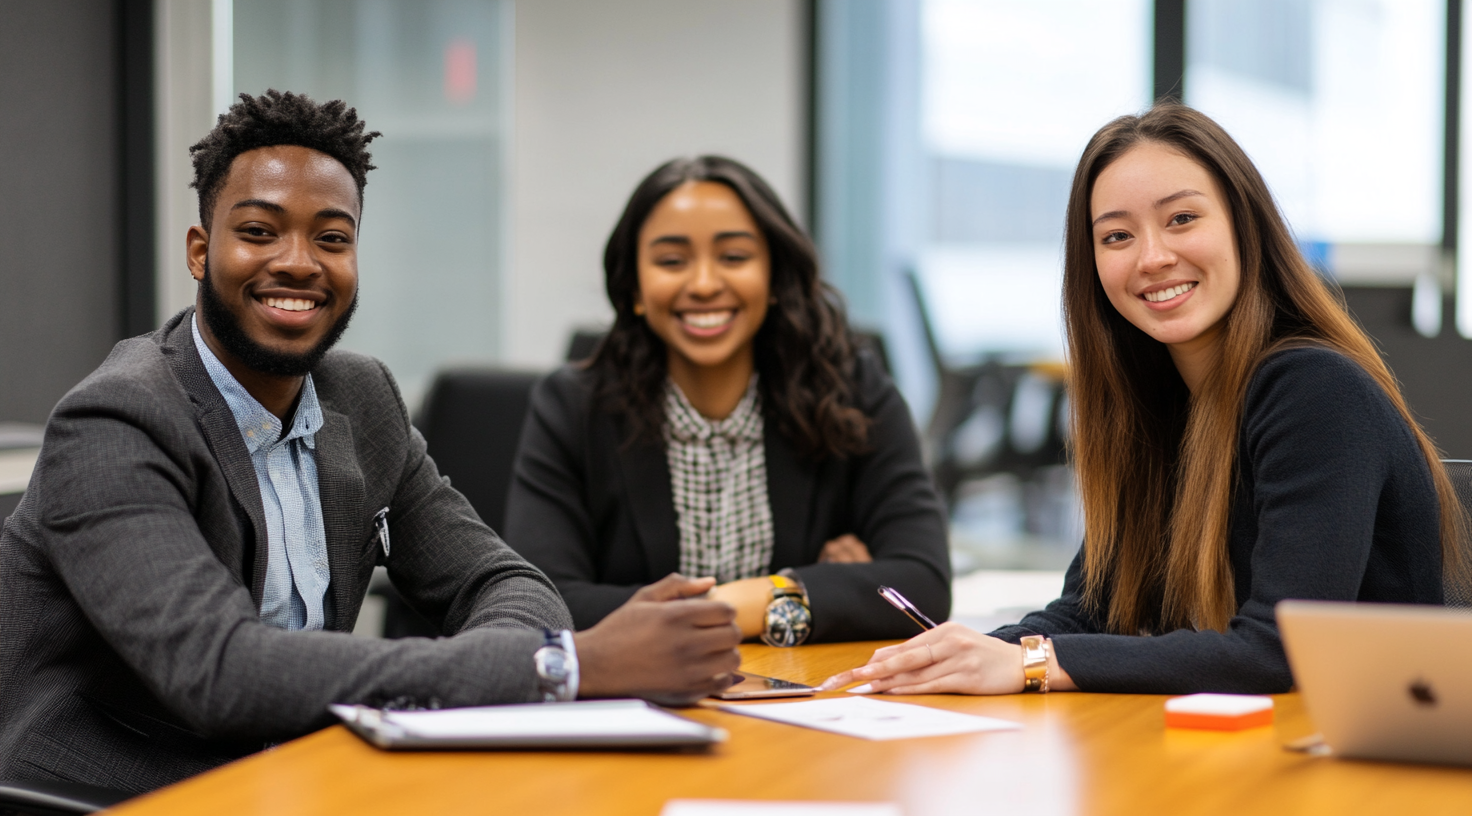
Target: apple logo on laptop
1421,692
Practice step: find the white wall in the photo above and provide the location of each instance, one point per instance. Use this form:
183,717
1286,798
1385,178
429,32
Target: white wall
605,92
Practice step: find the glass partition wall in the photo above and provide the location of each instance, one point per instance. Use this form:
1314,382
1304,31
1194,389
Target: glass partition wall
945,155
1010,92
434,77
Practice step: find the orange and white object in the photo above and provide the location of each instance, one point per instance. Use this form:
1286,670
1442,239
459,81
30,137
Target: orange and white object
1218,712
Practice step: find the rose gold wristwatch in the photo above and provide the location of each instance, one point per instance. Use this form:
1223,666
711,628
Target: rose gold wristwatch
1035,663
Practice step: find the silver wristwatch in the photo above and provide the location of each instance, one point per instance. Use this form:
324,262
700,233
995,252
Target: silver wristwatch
557,667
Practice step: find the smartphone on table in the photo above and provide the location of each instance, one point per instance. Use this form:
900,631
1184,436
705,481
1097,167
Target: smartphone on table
750,686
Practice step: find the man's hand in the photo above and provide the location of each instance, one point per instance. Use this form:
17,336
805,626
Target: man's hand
664,645
846,549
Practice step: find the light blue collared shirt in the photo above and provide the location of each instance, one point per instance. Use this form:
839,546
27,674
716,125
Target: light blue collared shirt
286,470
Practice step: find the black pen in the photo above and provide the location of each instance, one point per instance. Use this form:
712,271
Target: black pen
903,604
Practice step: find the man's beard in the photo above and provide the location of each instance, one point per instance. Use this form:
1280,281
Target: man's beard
225,326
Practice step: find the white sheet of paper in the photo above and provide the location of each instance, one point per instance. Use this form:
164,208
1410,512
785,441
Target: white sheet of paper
873,719
732,807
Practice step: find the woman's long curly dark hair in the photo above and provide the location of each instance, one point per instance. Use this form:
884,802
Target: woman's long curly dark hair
804,353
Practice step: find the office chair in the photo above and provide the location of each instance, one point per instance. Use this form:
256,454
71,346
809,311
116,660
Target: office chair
471,420
583,343
874,342
51,798
1460,473
990,416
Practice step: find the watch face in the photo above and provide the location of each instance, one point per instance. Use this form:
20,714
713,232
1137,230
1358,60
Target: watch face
551,664
788,623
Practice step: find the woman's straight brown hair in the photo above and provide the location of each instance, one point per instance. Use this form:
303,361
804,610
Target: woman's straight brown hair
1157,464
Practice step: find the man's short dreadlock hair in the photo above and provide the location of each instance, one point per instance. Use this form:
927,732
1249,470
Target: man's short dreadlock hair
276,118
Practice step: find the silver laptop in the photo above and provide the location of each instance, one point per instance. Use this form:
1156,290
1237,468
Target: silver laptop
1384,681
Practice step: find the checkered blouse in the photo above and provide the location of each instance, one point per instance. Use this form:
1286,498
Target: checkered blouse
718,471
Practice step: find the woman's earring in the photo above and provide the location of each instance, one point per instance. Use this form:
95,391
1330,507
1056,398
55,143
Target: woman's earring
639,309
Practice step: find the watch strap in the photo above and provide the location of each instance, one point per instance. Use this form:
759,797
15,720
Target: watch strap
787,586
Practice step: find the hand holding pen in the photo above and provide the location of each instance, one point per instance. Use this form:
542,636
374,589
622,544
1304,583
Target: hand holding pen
946,658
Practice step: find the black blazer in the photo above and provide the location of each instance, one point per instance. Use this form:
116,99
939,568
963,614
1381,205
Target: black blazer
597,515
132,653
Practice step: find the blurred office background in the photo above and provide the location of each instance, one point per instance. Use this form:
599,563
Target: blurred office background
928,144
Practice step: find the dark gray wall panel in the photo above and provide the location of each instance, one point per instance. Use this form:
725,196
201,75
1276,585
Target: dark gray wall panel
59,210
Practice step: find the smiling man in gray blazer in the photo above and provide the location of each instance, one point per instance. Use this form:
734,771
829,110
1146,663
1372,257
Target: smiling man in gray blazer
209,504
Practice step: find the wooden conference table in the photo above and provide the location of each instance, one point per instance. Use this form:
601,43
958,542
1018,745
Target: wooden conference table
1077,754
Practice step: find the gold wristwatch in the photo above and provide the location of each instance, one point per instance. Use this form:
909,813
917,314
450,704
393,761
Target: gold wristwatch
1035,663
789,620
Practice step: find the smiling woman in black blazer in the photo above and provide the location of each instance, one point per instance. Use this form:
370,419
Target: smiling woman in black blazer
726,426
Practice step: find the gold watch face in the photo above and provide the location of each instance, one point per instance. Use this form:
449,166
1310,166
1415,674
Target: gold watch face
789,622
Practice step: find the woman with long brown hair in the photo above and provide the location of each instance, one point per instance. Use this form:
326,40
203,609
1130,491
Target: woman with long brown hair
1237,439
727,428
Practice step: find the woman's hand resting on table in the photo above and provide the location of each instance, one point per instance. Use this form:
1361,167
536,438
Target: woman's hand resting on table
948,659
750,596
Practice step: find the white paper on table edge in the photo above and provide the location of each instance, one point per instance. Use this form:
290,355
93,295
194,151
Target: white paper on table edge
992,724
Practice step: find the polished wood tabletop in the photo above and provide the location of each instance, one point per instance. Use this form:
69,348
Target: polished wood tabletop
1076,754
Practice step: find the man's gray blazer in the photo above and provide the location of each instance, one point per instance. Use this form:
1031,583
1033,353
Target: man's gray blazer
132,653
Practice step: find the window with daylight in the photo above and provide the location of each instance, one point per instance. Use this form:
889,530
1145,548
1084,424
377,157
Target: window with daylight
1340,104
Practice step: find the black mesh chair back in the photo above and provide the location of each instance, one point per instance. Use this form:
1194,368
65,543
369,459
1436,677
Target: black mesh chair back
874,342
1459,594
471,419
583,343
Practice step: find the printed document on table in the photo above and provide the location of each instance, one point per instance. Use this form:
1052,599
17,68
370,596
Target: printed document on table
873,719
